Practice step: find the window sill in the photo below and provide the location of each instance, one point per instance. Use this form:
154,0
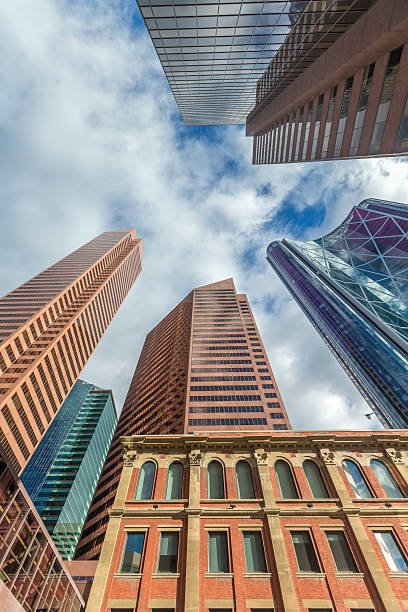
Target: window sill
218,575
156,501
310,575
398,574
127,576
349,575
166,575
231,501
258,575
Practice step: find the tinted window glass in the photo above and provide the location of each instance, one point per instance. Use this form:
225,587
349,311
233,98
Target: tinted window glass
244,480
285,480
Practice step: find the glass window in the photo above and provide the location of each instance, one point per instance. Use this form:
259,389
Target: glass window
391,551
132,555
356,480
215,480
168,552
218,552
245,484
145,481
285,480
386,480
174,484
341,551
305,554
315,480
254,552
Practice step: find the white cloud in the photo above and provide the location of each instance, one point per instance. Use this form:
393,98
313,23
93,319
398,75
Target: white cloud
91,140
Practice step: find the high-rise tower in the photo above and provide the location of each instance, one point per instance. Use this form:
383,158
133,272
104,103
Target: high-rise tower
63,472
202,368
49,327
353,286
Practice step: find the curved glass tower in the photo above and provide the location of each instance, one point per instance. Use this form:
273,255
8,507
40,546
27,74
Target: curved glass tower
353,286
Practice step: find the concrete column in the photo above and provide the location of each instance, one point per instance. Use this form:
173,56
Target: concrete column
192,590
104,565
287,587
384,590
398,458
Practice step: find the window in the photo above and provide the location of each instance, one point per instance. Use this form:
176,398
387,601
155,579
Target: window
285,480
174,484
386,479
356,480
245,484
254,552
218,552
305,554
341,552
168,552
391,551
132,556
215,480
315,480
145,481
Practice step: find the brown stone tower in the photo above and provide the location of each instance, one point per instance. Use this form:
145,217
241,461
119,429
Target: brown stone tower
202,368
50,326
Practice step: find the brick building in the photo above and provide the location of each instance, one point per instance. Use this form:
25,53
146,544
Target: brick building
203,367
50,326
240,522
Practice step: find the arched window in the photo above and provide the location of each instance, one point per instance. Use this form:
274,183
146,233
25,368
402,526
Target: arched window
215,480
386,479
245,484
145,481
285,480
174,484
315,479
356,480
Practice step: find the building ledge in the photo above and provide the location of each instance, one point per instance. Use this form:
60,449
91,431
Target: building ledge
349,575
310,575
398,574
218,575
127,576
166,575
257,575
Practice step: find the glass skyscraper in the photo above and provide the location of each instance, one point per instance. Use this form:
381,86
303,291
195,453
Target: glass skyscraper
353,286
63,472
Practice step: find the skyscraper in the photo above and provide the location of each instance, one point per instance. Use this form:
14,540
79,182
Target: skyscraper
353,286
349,101
63,472
202,368
49,327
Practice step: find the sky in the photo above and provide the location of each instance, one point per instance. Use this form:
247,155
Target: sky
91,140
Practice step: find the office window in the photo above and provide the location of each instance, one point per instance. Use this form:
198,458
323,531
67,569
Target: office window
245,484
385,478
341,552
132,556
391,551
254,552
174,483
168,552
304,550
145,482
285,480
315,479
215,480
356,480
218,561
401,144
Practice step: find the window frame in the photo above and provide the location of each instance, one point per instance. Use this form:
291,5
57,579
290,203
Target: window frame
182,480
346,539
252,479
168,531
135,498
363,476
224,484
142,555
213,530
325,484
291,471
307,530
259,531
391,475
397,542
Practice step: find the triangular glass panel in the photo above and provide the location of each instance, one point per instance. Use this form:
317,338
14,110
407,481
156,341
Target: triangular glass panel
390,228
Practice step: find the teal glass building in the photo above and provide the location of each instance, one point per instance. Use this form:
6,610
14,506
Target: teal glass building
63,472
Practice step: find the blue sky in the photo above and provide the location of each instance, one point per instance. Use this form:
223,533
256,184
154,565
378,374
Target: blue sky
91,140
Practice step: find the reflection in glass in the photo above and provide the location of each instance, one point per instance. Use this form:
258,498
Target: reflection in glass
386,480
356,480
391,551
132,555
145,481
174,484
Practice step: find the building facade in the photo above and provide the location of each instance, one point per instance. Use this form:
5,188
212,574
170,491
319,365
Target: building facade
50,326
352,285
202,368
63,472
33,575
350,101
250,522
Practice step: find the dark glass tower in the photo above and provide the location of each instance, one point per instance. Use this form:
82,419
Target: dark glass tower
62,474
353,286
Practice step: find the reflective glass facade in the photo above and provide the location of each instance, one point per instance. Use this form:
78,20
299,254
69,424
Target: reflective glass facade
352,284
30,566
63,472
